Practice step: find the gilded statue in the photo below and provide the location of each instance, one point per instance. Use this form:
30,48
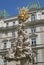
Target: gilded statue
23,14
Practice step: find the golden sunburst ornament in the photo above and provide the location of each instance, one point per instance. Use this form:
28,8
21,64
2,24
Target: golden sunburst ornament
23,14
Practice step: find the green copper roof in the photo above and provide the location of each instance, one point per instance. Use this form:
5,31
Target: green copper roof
34,5
3,14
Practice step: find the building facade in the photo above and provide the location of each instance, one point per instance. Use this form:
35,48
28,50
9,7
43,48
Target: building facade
34,28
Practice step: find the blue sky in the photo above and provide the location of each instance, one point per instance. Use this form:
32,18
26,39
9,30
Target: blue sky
11,5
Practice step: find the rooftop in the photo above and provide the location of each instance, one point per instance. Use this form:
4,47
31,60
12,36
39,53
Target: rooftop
34,5
3,14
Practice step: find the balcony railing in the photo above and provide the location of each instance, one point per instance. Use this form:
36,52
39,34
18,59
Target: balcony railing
37,46
3,51
36,22
8,28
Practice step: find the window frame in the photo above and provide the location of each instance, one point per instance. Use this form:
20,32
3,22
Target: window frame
33,41
5,45
33,16
33,30
13,23
13,33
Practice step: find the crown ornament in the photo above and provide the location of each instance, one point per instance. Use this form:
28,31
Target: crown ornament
23,14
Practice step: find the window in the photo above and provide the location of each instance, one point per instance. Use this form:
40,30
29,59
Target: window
33,30
33,17
13,23
13,33
4,62
5,45
33,40
35,59
6,24
35,56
